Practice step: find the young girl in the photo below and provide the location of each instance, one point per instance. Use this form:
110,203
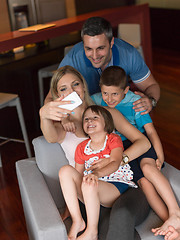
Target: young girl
94,187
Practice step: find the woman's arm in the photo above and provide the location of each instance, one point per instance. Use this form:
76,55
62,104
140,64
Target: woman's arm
112,165
48,98
50,121
140,144
154,138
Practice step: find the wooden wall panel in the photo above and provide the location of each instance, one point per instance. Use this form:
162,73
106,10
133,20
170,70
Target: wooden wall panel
86,6
70,8
4,17
165,28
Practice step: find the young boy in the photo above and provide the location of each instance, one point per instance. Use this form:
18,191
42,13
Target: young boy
115,93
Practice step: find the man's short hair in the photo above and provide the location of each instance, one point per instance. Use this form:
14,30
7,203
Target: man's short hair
114,76
97,26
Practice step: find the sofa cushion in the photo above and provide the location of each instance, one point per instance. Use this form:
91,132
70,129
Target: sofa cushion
152,221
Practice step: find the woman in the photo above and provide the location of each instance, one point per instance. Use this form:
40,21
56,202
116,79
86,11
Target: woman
65,81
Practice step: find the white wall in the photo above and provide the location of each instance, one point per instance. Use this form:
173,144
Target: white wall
174,4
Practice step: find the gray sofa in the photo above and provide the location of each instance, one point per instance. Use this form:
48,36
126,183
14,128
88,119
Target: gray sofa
43,201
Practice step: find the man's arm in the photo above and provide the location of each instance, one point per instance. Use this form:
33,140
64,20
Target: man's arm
149,88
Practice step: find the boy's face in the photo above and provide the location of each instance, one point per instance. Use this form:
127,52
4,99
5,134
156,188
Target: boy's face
113,95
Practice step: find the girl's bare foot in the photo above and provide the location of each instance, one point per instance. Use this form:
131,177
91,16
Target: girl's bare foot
77,226
173,221
88,235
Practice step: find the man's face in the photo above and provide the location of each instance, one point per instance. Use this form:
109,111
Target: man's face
98,50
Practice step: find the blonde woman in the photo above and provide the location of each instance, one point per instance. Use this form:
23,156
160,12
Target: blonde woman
65,81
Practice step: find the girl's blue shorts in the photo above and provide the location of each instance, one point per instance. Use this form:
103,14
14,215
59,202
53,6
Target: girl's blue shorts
122,187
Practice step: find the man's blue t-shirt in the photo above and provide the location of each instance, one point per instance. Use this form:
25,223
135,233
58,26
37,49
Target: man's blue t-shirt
124,55
126,108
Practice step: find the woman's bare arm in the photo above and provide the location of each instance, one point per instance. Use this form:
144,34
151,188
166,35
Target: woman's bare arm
50,121
48,98
140,144
112,165
53,132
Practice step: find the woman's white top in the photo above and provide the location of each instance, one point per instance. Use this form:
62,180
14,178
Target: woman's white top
69,145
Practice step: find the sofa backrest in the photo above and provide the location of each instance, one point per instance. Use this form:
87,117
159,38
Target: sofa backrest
50,158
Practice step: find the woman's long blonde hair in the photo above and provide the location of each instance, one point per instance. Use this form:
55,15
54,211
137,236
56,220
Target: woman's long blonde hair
59,73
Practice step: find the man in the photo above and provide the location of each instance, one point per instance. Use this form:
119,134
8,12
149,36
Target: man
98,50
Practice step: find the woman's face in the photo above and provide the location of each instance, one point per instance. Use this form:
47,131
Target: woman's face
70,83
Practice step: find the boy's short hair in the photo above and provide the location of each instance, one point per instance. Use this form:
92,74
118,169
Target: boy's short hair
114,76
108,120
96,26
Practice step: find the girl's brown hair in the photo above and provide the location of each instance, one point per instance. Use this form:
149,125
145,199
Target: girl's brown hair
108,120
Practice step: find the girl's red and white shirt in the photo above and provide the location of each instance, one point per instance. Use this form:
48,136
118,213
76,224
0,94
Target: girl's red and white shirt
85,155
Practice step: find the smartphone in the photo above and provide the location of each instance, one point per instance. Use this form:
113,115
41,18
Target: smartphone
71,97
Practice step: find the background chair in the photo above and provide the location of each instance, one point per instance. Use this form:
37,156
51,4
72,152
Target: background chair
131,33
48,72
12,100
43,200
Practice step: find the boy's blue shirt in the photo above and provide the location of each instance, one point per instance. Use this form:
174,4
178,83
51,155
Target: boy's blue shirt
126,108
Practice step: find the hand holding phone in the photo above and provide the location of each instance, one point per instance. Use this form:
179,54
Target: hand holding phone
76,101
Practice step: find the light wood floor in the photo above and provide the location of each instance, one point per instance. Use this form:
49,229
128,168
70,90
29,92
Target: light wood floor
166,119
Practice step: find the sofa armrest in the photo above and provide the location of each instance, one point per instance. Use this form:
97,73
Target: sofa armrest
50,158
42,216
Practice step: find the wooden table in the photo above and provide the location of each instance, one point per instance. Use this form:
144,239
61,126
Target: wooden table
126,14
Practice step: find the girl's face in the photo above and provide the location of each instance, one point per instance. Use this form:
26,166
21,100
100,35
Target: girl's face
93,122
70,83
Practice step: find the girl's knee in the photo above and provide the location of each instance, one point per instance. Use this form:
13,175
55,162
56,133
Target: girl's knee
66,169
89,187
